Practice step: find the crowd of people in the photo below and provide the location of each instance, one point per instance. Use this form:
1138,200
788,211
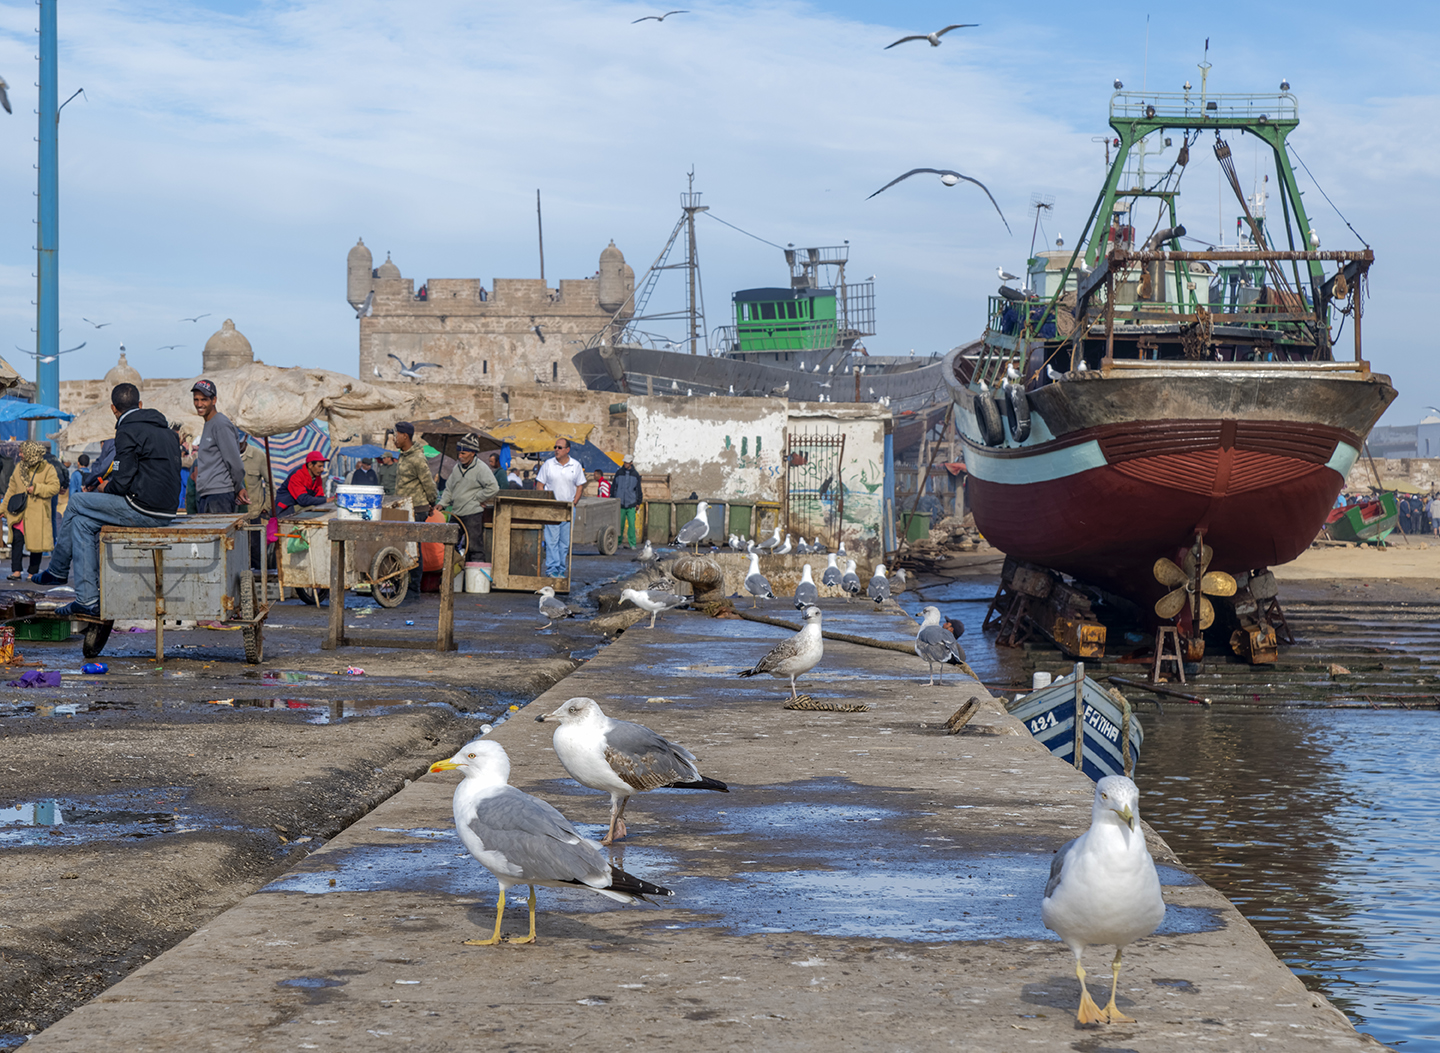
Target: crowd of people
1419,513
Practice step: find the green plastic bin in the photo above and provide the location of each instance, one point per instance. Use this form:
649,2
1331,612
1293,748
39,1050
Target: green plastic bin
916,525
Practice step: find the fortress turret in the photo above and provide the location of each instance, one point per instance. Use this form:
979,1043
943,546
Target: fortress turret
387,269
612,279
359,274
227,349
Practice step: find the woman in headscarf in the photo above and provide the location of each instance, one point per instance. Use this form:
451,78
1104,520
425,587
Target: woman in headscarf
35,478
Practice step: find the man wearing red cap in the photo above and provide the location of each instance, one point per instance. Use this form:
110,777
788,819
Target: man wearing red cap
306,485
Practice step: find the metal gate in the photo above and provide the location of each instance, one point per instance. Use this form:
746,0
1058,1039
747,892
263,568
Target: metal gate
814,493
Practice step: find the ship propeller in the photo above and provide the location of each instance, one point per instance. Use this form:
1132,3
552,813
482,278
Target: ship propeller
1190,583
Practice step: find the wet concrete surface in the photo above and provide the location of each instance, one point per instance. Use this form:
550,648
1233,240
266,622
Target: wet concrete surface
867,875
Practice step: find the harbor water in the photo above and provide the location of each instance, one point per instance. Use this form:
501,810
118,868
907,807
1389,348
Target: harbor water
1321,826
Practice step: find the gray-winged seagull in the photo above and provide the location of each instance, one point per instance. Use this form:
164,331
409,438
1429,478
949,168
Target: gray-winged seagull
935,643
795,656
653,599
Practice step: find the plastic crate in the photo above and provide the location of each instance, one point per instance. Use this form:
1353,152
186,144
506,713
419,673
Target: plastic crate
46,629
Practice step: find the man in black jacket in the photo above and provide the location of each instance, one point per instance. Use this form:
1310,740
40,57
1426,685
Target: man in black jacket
626,486
142,490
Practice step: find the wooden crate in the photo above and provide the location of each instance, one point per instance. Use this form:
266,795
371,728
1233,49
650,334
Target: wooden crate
517,553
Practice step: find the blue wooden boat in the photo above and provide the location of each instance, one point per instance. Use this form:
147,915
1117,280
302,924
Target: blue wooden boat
1107,723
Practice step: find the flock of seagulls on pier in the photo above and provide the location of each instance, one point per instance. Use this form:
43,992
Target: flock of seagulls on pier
1103,888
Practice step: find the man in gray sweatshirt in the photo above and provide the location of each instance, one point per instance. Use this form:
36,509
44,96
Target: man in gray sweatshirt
219,469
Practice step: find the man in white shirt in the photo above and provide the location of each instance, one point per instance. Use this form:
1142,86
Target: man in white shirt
566,480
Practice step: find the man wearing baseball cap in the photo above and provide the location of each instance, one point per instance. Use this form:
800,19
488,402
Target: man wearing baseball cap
469,488
219,468
306,485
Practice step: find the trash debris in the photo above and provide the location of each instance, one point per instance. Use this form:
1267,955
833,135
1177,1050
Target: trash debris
68,709
220,702
657,699
37,678
354,671
94,668
409,623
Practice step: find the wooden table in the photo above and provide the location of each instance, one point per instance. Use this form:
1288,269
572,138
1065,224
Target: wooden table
358,531
517,554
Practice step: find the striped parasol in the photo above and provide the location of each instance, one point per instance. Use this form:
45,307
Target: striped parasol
287,451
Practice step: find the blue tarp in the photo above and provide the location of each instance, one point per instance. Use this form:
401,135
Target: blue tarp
14,409
591,457
365,450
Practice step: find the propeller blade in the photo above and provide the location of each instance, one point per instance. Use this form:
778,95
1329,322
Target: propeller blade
1207,613
1188,562
1172,603
1218,583
1167,573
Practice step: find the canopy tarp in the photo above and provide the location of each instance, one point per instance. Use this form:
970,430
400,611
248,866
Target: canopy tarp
365,450
538,436
14,409
260,400
591,457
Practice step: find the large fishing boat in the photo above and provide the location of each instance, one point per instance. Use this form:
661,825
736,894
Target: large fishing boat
803,340
1168,424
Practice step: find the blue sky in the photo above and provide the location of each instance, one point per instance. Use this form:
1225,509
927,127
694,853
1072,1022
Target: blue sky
228,154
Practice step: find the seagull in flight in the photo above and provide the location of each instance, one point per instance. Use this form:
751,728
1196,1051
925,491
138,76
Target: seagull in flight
933,38
97,325
646,18
536,329
413,369
169,347
366,309
4,96
197,317
949,178
48,358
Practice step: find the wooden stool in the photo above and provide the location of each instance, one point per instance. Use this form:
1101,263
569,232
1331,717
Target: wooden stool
1167,649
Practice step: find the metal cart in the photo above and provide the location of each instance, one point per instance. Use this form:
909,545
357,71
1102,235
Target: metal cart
302,553
197,568
596,522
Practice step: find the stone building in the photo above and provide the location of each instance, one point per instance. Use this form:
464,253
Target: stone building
226,349
520,331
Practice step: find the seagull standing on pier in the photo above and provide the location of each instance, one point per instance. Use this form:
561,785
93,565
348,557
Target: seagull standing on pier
831,576
1103,889
879,589
756,584
935,643
551,609
897,582
806,594
654,599
522,840
795,656
695,531
850,581
620,758
783,550
766,546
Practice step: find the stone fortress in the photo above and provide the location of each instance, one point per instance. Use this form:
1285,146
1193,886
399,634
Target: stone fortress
519,332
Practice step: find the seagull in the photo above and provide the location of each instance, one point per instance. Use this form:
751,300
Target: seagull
97,325
732,389
1006,276
375,370
841,550
795,656
783,550
949,178
806,594
802,547
652,599
1081,367
647,553
413,369
5,95
831,576
689,392
897,582
366,309
536,329
850,581
935,643
1051,372
522,840
169,347
658,18
735,544
818,547
695,531
620,758
756,584
197,317
1103,889
551,609
879,589
766,546
933,38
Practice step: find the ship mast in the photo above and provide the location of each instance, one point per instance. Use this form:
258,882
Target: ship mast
690,202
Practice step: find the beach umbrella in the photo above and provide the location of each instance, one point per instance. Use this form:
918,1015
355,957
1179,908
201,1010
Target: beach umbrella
591,457
287,451
538,436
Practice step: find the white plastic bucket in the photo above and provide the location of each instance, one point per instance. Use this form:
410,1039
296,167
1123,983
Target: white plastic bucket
1039,679
358,502
477,577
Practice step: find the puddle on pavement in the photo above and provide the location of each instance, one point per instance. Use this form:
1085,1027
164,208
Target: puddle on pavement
108,817
316,710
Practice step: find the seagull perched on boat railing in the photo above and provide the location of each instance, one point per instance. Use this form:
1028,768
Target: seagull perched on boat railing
1006,276
932,38
413,369
1051,372
949,177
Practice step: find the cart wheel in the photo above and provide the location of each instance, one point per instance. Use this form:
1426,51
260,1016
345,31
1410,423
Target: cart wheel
609,541
97,634
254,634
390,591
312,597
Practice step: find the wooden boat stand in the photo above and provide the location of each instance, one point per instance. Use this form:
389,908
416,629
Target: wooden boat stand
343,531
1167,649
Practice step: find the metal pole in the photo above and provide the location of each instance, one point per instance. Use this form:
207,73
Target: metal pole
540,229
47,235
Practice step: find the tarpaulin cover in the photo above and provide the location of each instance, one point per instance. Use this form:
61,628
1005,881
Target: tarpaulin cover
536,436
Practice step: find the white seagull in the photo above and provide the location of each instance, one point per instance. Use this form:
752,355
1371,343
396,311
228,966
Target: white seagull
620,758
551,609
413,369
879,589
818,547
933,38
935,643
1006,276
1103,889
524,841
756,584
806,594
802,547
766,546
850,581
653,599
949,177
695,531
784,550
1051,372
831,576
657,18
795,656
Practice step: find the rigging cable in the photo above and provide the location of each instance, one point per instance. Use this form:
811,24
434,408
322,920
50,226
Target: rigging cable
757,237
1326,196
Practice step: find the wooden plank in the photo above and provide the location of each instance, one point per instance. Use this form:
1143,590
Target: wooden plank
445,632
391,533
335,637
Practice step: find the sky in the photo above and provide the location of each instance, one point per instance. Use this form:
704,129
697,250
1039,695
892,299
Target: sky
227,154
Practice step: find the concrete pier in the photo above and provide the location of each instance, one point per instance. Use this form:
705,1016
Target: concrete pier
870,879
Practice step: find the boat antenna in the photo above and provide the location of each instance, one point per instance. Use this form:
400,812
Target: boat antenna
1039,203
696,296
1145,75
1204,73
540,229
